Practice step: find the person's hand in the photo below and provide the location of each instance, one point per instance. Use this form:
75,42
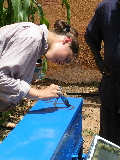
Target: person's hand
52,91
103,68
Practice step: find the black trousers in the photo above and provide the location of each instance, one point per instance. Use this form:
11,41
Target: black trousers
110,124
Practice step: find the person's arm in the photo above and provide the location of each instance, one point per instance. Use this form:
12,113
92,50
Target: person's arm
11,89
93,37
16,66
52,91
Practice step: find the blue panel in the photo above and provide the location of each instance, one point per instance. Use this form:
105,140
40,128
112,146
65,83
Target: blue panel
43,131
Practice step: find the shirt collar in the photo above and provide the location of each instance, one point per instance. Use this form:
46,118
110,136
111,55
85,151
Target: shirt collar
45,30
45,36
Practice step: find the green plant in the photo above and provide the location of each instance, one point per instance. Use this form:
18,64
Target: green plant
44,68
13,11
65,2
4,115
89,132
21,10
41,14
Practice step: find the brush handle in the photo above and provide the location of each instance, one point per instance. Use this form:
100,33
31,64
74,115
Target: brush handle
64,99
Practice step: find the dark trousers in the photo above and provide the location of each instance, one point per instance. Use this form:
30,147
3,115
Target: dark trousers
110,124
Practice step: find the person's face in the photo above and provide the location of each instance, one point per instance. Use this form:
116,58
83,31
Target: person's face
60,52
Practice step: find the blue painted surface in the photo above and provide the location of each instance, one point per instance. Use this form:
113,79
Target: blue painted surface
41,132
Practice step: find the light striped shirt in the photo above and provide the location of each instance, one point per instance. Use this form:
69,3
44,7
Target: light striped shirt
21,44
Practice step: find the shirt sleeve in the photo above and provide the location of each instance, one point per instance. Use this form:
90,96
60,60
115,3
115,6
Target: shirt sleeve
93,35
17,67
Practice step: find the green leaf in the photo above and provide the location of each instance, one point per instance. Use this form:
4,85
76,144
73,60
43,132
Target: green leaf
1,12
65,2
44,66
2,120
26,10
41,14
18,12
9,16
32,11
4,116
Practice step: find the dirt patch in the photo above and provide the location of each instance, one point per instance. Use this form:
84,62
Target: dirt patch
90,123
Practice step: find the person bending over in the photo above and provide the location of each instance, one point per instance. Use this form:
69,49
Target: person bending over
21,45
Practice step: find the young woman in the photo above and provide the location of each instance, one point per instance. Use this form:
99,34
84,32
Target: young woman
21,44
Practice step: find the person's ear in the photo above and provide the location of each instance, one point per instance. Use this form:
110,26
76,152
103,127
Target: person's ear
67,40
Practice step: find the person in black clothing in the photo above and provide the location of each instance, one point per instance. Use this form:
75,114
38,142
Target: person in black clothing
105,27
